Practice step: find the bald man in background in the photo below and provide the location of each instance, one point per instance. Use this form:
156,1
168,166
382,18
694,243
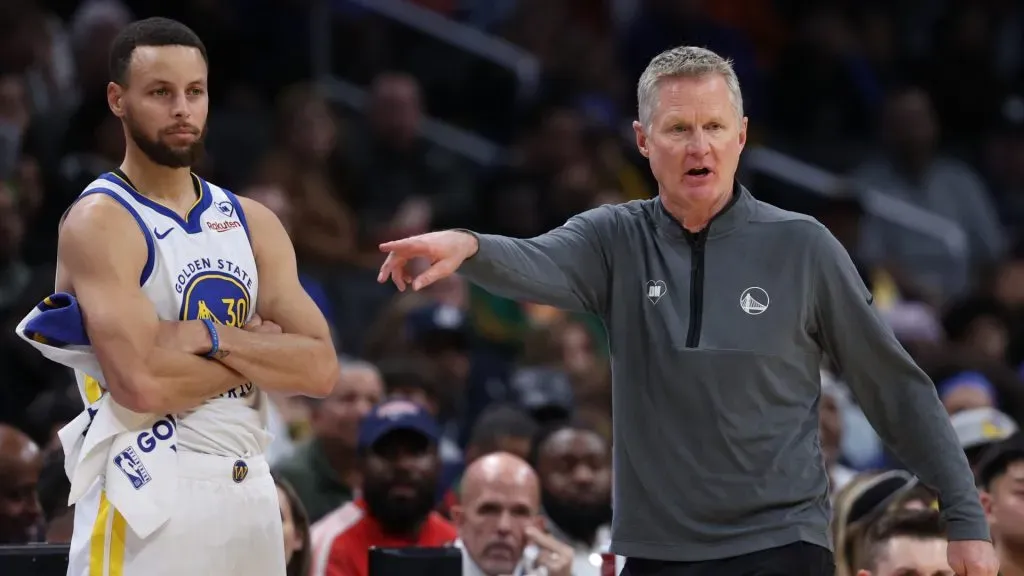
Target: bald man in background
499,515
20,465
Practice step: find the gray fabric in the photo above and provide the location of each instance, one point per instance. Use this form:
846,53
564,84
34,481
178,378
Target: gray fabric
716,449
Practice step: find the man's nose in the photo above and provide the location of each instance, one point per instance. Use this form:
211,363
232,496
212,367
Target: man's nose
583,475
698,144
505,523
180,107
30,507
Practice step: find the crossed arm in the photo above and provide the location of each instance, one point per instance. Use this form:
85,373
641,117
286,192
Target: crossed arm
301,359
155,366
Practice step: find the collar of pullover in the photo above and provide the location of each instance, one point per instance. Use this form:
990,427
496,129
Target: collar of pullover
732,216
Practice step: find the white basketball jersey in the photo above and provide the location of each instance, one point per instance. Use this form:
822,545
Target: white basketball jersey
198,267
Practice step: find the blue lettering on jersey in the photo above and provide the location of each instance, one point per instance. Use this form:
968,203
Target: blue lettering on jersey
188,272
162,430
218,296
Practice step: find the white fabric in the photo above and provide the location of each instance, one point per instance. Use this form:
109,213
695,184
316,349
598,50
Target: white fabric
217,527
135,456
193,272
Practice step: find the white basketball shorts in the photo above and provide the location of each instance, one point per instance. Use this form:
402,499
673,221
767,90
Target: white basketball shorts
226,522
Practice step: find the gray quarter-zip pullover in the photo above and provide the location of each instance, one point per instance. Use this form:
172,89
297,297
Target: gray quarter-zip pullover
716,342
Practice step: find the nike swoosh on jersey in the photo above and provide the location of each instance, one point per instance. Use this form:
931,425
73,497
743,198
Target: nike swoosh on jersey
160,236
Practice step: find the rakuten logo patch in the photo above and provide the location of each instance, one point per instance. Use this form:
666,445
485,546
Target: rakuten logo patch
224,226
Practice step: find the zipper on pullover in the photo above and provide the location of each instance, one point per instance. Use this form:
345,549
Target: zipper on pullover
697,242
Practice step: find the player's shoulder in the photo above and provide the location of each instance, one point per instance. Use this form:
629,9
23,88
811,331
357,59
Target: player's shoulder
97,209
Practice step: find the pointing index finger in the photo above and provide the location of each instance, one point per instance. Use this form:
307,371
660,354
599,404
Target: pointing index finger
411,245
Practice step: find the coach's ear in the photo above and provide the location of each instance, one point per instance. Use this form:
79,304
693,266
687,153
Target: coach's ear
115,99
641,138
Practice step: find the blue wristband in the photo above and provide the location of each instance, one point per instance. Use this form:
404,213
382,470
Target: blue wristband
214,339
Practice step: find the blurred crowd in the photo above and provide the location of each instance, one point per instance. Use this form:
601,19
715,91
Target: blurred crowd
920,101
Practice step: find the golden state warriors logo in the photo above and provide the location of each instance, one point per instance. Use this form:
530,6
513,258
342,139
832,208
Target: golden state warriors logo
216,296
239,471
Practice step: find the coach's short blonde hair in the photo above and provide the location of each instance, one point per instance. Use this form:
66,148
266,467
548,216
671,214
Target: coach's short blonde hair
684,62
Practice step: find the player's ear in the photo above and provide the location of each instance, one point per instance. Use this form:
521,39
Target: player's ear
115,99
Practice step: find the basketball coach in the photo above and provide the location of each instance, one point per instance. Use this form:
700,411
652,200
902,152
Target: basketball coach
719,309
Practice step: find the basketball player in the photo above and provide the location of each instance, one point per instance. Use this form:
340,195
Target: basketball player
166,268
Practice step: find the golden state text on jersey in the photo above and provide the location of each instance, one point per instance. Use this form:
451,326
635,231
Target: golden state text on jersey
200,266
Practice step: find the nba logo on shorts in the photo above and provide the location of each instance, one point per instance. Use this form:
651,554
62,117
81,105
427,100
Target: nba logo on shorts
239,471
129,464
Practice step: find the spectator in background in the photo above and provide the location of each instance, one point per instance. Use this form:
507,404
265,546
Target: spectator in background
21,287
440,334
499,428
416,379
20,465
545,393
400,466
861,506
49,412
978,326
54,489
324,470
1001,477
499,515
302,167
914,171
830,425
574,465
904,543
407,185
295,527
978,429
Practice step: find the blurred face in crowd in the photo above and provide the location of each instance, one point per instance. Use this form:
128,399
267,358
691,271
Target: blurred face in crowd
988,336
164,103
575,472
693,142
400,474
910,127
313,132
292,532
396,109
500,498
336,418
20,465
560,142
1004,506
908,556
830,428
577,349
1009,284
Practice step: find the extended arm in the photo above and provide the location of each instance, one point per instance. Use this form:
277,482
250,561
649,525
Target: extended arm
567,267
898,398
101,253
301,359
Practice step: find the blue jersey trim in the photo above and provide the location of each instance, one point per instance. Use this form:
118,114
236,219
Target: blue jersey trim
191,224
241,213
147,270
